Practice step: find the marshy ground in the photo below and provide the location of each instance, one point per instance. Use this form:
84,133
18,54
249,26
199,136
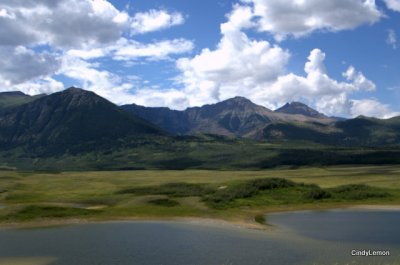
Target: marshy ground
235,196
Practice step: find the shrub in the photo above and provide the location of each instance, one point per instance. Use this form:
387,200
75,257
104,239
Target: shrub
260,219
164,202
246,190
316,193
36,211
358,192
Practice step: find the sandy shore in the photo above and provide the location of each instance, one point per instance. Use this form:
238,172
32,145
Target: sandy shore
376,207
214,222
249,223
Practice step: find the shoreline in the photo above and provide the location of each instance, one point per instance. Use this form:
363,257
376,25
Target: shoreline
248,223
207,221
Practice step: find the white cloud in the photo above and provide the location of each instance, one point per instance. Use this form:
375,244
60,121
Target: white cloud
130,50
21,64
29,27
392,39
371,108
78,32
240,66
236,67
46,85
89,53
359,80
240,18
154,98
70,23
393,4
5,14
301,17
127,49
318,88
154,20
102,82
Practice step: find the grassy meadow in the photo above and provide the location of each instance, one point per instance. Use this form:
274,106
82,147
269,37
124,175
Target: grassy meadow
238,196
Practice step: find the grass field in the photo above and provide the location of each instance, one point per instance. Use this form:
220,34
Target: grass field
228,195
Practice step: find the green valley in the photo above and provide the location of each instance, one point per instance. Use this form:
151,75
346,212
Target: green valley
234,196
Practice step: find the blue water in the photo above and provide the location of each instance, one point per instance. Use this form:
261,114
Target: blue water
298,238
146,243
343,226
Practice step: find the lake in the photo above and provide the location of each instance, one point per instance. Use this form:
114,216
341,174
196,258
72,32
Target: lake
298,238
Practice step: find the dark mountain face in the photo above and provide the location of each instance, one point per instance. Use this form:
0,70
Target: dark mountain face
300,108
66,119
172,121
296,121
15,98
361,131
233,117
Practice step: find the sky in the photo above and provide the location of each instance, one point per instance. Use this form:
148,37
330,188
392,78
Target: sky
340,57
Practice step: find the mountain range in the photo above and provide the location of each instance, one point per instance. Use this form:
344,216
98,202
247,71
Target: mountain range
78,130
235,117
74,118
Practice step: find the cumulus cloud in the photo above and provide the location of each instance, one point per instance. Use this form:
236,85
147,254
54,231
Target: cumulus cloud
154,20
392,39
37,35
20,64
130,50
393,5
318,88
73,38
371,108
235,67
301,17
256,69
100,81
359,80
174,98
71,23
46,85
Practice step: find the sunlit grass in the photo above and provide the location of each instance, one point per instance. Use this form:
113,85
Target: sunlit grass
150,194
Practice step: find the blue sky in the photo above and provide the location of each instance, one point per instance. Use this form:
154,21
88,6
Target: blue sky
341,57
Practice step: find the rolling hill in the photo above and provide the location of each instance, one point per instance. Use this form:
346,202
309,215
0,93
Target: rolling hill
360,131
15,98
69,120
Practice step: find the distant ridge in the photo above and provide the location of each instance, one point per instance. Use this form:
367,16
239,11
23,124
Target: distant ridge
14,98
301,109
233,117
12,94
75,120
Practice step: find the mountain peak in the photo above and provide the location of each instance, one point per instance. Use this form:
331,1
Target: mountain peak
75,90
72,118
13,94
300,108
240,103
77,97
239,99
